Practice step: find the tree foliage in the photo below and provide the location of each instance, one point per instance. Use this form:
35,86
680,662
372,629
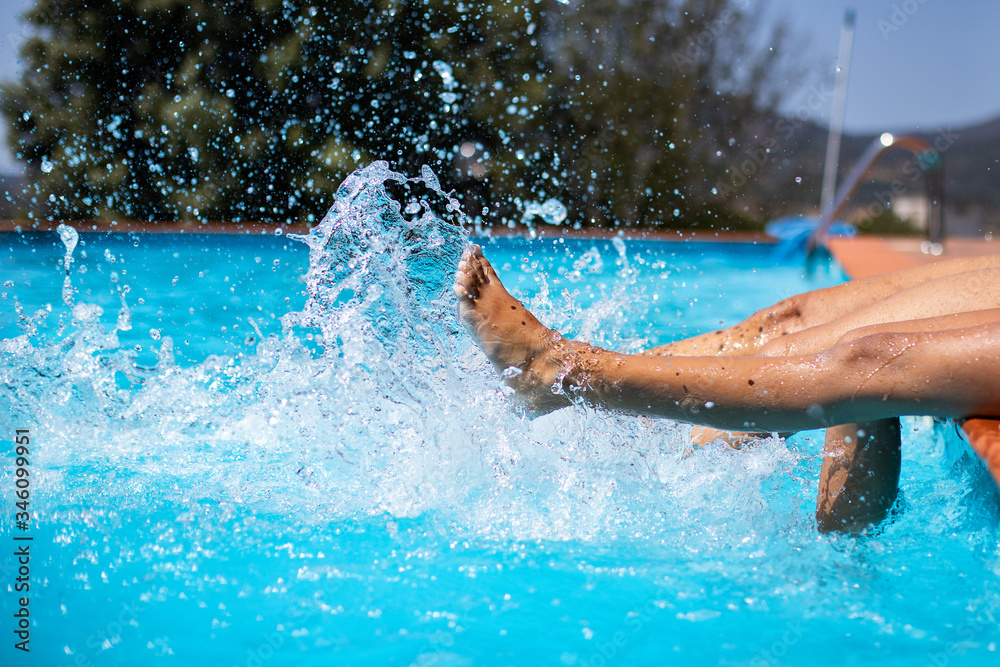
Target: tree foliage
256,109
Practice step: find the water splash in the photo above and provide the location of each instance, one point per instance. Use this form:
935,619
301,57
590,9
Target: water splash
69,236
366,460
369,449
551,212
449,96
372,399
377,274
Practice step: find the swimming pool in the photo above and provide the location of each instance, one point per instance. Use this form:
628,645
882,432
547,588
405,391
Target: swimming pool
271,452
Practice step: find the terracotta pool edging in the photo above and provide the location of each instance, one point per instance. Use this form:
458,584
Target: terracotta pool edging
984,439
138,227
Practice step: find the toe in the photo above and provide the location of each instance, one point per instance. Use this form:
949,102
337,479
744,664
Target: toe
476,262
482,263
487,268
466,278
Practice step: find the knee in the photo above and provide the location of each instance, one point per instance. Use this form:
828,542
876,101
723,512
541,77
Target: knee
784,314
783,346
861,350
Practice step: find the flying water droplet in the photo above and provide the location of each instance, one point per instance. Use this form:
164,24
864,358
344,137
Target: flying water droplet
619,245
444,69
510,373
69,236
430,178
124,315
552,212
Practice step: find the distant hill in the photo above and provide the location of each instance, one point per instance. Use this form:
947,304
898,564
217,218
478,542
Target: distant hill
971,160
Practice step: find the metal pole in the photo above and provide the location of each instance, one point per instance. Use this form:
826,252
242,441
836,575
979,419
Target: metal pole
837,115
934,245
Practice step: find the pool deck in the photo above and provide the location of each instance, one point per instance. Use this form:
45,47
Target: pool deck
865,256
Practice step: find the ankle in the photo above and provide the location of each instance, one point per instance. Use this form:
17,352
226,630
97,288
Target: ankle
576,363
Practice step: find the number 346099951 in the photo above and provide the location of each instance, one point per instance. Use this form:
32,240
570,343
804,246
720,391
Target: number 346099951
21,473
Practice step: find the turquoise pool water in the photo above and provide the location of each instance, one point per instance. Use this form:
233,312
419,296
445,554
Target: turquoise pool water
268,452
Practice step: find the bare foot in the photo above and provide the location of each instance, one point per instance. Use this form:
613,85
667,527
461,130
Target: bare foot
705,435
532,359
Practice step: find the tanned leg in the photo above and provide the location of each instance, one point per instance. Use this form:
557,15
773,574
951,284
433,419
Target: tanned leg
950,373
524,351
936,293
859,480
819,307
955,295
985,439
814,321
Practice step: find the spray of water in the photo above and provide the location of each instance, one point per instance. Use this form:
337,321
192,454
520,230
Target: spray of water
371,432
373,400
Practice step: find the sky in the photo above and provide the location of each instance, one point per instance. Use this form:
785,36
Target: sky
916,64
922,65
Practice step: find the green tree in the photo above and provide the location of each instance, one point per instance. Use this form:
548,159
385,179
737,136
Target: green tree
248,109
256,109
656,95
